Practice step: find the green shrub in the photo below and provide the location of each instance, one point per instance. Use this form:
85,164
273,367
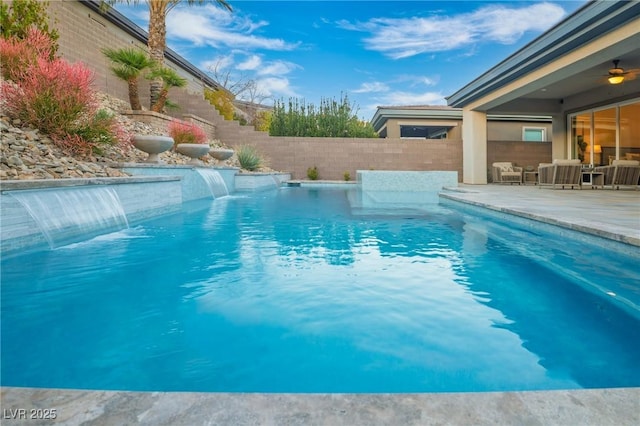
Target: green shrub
222,102
312,173
100,130
347,176
331,119
249,158
19,17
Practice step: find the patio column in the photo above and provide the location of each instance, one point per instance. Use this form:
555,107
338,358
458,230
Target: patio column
474,147
559,137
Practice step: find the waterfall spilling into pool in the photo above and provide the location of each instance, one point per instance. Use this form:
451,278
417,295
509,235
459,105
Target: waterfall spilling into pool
74,214
216,183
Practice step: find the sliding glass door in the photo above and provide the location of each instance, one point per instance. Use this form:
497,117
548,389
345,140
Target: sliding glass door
601,135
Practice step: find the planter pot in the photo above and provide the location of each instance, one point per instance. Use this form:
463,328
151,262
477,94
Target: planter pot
193,150
152,145
220,154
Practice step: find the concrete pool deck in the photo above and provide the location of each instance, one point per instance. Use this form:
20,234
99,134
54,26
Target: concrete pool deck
619,407
606,213
610,214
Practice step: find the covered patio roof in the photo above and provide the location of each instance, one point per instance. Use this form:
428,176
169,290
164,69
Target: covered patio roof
566,66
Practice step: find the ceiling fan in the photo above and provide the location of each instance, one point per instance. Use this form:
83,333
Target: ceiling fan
617,74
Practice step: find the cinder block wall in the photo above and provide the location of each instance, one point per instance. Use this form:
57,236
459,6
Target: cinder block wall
335,156
518,152
83,33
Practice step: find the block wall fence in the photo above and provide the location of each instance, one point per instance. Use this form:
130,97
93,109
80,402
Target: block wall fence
84,33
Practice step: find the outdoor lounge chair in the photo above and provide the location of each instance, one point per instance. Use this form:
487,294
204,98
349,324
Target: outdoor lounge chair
621,173
506,172
561,173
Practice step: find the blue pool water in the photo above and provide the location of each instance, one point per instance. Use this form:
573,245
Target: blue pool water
294,291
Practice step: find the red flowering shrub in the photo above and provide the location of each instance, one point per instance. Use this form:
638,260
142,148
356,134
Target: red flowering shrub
51,95
17,55
184,132
54,96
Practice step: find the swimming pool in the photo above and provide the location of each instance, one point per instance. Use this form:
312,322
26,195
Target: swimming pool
295,291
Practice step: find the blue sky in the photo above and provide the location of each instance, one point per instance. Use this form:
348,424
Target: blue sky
375,52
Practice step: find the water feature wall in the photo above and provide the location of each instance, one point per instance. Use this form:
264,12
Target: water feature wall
216,183
75,213
45,213
260,181
194,185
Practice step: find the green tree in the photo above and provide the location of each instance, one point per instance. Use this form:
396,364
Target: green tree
157,41
129,63
17,16
262,121
333,118
169,78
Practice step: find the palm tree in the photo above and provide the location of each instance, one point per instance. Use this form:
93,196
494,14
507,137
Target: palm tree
129,64
168,78
157,41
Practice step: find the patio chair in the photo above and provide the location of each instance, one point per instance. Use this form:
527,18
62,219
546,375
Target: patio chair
621,173
505,172
560,173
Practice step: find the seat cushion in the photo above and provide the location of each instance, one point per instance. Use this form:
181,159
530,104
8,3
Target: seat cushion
566,162
625,163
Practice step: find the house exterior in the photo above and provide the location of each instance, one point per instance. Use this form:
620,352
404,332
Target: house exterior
565,73
445,122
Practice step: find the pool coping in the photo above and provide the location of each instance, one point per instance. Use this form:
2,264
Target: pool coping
473,197
618,407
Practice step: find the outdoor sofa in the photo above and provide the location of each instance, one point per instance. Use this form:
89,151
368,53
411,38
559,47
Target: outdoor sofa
621,173
560,174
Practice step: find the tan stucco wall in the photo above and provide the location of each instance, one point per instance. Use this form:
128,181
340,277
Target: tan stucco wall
512,130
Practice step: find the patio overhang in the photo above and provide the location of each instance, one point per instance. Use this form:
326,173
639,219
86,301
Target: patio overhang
563,71
566,66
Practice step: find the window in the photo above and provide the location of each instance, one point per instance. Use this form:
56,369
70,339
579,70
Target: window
611,132
424,132
534,134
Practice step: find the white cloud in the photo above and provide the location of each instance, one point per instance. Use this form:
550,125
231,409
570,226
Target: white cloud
408,98
221,62
418,80
212,26
401,38
277,68
251,63
372,87
275,87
